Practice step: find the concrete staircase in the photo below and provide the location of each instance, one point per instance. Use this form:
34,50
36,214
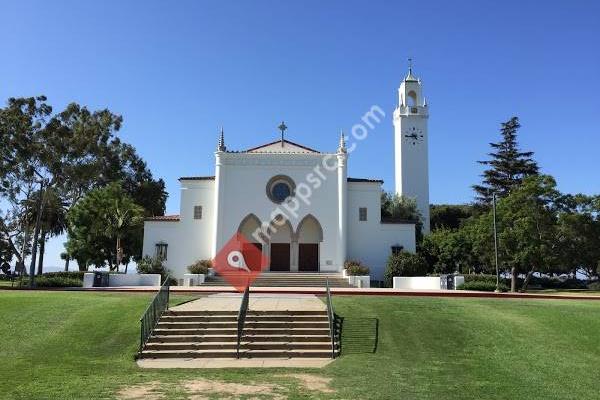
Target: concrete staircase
213,334
287,279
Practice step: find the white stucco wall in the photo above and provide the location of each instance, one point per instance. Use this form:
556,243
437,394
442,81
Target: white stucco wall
411,160
244,179
188,239
370,241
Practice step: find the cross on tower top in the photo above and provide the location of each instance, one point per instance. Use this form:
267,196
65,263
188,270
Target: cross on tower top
282,127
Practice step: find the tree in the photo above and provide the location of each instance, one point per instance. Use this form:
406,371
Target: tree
123,218
404,264
6,255
448,251
66,257
579,234
24,158
67,155
103,217
53,219
508,165
527,230
401,208
449,216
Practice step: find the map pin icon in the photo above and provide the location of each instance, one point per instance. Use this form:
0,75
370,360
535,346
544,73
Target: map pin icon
235,259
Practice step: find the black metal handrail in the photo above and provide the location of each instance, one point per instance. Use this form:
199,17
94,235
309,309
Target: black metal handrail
242,318
331,318
155,309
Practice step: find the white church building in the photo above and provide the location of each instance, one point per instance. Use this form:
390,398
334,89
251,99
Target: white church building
297,204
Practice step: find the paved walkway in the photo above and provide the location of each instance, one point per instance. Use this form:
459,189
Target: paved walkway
339,291
258,302
235,363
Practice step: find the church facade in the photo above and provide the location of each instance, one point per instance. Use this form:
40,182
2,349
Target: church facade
296,204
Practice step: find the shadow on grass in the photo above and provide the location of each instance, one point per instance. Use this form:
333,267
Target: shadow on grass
358,335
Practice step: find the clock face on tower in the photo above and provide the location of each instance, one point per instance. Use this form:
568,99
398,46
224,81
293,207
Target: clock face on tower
413,135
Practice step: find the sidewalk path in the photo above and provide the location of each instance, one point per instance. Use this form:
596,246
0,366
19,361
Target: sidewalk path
198,290
258,302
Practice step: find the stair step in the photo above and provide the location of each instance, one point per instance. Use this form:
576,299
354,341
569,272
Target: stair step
233,338
265,331
243,345
226,353
247,325
288,279
250,313
249,318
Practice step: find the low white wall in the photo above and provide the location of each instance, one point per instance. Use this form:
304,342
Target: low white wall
361,281
458,280
417,282
124,280
193,279
88,280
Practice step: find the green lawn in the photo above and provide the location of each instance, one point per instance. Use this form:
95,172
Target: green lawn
61,345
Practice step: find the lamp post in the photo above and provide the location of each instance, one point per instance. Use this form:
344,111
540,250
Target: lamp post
495,243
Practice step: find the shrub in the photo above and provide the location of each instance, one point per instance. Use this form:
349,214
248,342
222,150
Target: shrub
357,270
66,274
480,278
57,281
351,263
404,264
594,285
548,282
482,286
152,265
200,267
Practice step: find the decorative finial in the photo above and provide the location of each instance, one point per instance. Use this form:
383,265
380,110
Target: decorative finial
410,65
342,147
221,144
282,128
424,102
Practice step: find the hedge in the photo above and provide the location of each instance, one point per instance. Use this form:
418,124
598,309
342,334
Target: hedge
482,286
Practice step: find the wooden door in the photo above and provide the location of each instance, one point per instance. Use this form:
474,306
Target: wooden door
280,257
252,257
308,257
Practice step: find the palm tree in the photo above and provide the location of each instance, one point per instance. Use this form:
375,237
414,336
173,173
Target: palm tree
121,219
53,220
66,257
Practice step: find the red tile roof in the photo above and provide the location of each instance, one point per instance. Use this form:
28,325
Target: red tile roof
165,218
197,178
365,180
385,220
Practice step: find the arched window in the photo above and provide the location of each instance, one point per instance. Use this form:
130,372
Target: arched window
411,100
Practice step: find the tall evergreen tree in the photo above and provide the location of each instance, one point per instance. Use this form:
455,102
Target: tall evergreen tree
508,165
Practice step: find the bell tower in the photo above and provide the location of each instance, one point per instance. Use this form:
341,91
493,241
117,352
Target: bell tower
411,144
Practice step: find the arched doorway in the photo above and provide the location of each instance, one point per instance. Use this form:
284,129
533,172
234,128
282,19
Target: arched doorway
248,227
281,233
309,235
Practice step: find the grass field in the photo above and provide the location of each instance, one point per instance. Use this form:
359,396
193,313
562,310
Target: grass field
61,345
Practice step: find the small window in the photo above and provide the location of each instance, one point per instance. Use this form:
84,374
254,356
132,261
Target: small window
161,251
362,214
197,212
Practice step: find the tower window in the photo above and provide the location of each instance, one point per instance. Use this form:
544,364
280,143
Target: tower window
362,214
411,101
197,212
161,251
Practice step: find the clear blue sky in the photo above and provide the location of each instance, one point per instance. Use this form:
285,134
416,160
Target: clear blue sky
178,70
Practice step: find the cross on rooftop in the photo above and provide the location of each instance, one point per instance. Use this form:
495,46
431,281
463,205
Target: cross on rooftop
282,128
